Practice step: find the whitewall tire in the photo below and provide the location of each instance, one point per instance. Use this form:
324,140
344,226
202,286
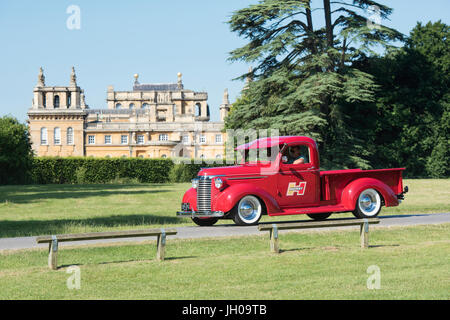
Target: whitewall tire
248,211
368,204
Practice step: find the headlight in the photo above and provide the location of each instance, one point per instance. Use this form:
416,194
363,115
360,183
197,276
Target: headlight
218,183
194,183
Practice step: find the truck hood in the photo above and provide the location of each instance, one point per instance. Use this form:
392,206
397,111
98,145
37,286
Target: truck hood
239,170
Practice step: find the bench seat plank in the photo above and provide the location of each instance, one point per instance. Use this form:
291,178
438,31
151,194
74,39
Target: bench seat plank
105,235
318,224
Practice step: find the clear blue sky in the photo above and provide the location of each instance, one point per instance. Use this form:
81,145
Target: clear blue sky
154,38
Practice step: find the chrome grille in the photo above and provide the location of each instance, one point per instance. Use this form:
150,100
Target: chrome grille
204,194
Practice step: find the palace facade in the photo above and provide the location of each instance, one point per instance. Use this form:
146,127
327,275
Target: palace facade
151,121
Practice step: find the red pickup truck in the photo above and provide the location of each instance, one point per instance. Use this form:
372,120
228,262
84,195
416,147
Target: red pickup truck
290,182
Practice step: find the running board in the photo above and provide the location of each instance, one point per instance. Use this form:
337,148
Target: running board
321,209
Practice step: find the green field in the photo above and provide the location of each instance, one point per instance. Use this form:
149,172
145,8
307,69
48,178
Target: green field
413,264
53,209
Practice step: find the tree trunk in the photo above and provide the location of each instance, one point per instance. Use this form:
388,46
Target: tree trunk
328,25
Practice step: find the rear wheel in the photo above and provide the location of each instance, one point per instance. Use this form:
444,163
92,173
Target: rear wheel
319,216
368,204
248,211
204,222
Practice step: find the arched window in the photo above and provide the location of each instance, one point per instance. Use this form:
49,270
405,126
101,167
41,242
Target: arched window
163,156
69,136
131,106
56,102
218,156
198,110
118,106
57,136
44,136
145,106
69,100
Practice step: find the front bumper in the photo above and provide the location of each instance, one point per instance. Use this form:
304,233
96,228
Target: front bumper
204,214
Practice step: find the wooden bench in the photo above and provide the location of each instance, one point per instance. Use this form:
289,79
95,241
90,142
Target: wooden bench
274,228
55,239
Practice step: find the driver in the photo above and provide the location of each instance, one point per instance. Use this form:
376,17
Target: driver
295,156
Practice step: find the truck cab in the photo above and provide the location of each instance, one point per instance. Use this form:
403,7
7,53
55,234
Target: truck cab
281,176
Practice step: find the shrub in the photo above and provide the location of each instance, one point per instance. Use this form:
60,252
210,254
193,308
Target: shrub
56,170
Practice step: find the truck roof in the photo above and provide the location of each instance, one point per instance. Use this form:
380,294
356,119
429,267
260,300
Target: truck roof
270,142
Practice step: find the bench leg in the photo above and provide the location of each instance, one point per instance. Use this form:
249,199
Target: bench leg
161,247
53,254
274,240
364,234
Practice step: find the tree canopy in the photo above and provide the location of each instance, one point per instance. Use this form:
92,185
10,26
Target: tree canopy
331,72
304,78
15,151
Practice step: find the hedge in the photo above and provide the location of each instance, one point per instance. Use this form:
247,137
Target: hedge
55,170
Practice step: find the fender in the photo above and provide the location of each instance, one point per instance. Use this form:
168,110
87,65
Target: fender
190,196
227,199
352,191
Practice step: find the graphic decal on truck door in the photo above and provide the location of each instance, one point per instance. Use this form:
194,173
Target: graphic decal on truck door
293,188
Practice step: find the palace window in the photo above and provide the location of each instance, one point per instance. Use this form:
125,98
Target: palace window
185,139
124,139
218,138
145,106
56,102
202,156
163,137
218,156
43,136
198,110
131,106
69,136
140,139
202,139
91,139
57,136
118,106
108,139
163,156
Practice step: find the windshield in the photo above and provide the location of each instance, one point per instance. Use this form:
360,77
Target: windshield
261,155
267,155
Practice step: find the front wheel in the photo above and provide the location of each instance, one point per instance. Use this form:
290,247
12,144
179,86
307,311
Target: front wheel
205,222
368,204
248,211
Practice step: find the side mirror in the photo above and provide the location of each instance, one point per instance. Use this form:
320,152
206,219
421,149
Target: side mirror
284,159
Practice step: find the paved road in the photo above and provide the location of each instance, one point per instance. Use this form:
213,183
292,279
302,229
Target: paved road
228,230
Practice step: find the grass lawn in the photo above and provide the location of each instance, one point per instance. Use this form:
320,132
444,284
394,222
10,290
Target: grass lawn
413,264
54,209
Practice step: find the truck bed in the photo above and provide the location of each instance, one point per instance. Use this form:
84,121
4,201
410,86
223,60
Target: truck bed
333,182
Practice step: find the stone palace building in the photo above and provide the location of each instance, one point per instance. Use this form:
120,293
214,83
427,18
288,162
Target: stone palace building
151,121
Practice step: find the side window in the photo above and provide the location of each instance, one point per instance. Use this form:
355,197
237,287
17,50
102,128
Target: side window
298,155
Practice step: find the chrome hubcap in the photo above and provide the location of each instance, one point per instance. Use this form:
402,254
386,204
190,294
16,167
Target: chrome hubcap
249,209
367,203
